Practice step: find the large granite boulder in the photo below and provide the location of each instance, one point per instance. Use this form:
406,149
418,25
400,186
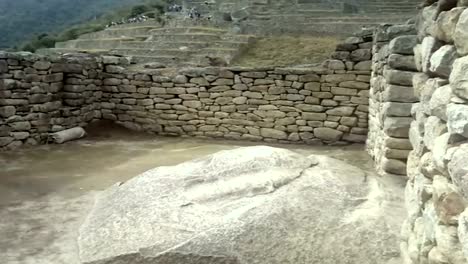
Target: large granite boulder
254,205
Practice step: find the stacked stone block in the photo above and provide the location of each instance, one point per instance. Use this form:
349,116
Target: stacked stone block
436,230
41,95
326,103
321,104
392,97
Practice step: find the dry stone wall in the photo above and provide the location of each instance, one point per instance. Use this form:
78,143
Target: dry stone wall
326,103
41,95
392,97
436,230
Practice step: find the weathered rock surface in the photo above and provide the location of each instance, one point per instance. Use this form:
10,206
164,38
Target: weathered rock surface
445,24
442,60
249,205
461,34
459,78
428,46
458,168
457,122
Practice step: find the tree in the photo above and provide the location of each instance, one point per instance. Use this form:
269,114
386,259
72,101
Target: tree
138,10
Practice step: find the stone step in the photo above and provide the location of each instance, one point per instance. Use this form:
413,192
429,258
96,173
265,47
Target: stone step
186,30
149,22
153,45
308,13
337,23
51,51
175,52
384,10
340,29
198,37
352,19
358,18
170,61
120,32
152,52
90,44
167,60
188,45
185,37
296,7
378,4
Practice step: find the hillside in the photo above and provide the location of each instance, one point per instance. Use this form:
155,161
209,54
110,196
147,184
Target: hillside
20,20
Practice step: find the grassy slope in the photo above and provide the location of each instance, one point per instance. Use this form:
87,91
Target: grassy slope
288,50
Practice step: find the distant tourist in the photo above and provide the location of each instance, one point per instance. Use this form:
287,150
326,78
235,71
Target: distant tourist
137,19
194,14
175,8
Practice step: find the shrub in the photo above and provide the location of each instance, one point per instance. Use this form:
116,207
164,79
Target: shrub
138,10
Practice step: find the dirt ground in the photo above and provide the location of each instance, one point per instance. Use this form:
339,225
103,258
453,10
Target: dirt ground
46,191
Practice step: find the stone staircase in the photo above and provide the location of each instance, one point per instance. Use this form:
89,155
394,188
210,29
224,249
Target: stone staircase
149,42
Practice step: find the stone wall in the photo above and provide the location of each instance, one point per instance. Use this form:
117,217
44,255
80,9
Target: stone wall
40,95
436,230
326,103
272,105
391,97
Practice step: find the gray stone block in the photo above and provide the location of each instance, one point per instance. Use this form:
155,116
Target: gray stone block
398,77
442,60
459,77
457,119
394,166
397,127
396,109
460,35
444,28
341,111
403,44
439,101
433,128
428,46
273,133
397,93
401,62
327,134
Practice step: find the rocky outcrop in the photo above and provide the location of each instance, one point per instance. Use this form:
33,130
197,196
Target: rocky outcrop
249,205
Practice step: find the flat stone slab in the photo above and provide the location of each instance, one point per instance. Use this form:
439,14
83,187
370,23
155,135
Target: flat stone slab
250,205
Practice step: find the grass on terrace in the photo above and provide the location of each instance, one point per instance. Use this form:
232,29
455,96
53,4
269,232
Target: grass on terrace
287,51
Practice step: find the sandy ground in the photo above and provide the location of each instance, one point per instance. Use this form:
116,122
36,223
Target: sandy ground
46,191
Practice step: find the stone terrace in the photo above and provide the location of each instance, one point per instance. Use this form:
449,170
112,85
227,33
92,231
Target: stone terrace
188,42
314,16
149,42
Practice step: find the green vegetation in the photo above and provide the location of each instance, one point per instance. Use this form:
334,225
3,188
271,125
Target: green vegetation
287,51
24,22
